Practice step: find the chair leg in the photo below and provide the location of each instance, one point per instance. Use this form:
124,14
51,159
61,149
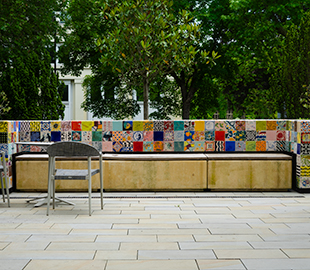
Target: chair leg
7,188
2,187
49,186
89,185
101,180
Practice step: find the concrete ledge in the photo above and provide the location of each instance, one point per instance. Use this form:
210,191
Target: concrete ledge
166,172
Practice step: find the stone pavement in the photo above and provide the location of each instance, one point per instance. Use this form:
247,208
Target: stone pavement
156,230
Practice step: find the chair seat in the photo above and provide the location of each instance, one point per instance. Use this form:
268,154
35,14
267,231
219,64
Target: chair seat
64,174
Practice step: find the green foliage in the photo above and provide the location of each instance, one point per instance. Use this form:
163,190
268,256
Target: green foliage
26,29
291,79
146,41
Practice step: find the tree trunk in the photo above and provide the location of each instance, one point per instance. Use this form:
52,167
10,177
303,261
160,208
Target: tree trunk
146,86
186,108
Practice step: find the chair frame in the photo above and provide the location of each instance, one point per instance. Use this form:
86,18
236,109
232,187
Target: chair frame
72,149
3,169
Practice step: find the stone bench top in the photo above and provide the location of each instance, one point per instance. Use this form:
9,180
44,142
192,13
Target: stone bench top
173,156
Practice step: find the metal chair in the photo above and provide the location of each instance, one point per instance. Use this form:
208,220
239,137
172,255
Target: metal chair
72,149
3,171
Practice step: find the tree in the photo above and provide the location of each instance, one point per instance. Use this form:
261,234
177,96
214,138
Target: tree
291,80
104,93
147,41
26,76
244,33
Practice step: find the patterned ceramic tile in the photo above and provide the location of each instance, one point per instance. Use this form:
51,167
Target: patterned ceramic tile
282,146
189,135
189,146
24,126
117,136
168,135
271,135
24,136
271,125
168,126
305,171
127,125
55,126
305,160
281,135
86,136
240,146
148,136
305,149
240,136
230,146
137,125
281,125
158,125
230,135
210,146
179,146
298,160
148,125
45,136
219,135
56,136
169,146
148,146
209,135
209,125
304,182
220,146
117,146
271,146
199,146
76,125
117,125
97,136
250,125
66,126
97,126
240,125
250,135
298,148
107,147
261,125
87,125
127,146
230,125
220,125
250,146
179,136
138,136
76,136
158,146
199,125
66,136
291,125
178,125
261,135
107,136
305,126
46,126
3,126
305,137
199,136
127,135
35,136
35,126
189,125
107,126
261,146
138,146
97,145
158,135
3,137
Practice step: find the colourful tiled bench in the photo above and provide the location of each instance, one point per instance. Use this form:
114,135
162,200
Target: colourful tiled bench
283,136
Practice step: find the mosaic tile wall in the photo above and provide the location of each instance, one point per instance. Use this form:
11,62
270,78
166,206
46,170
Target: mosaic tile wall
169,136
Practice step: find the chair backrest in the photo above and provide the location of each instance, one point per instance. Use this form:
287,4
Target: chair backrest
72,149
